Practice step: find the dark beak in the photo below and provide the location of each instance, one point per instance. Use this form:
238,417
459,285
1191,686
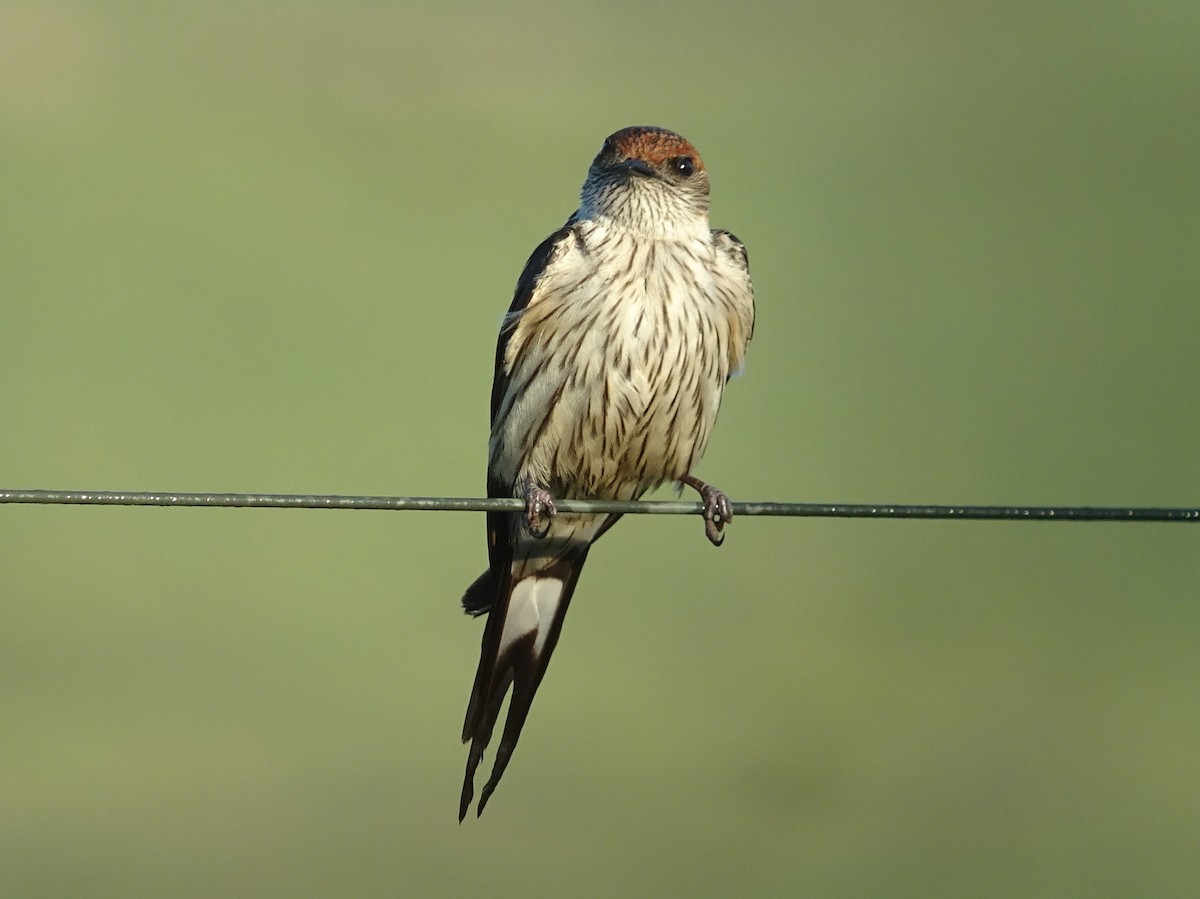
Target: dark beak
636,167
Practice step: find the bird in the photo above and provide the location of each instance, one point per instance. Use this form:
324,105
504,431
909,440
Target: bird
624,328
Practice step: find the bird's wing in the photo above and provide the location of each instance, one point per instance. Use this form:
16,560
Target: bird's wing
524,296
481,595
731,252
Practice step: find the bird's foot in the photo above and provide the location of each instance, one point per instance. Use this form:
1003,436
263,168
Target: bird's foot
718,510
539,511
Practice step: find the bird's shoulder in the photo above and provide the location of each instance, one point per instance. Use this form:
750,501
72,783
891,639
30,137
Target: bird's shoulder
731,248
548,252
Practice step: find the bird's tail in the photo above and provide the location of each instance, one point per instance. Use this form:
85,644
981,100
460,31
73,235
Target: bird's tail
522,630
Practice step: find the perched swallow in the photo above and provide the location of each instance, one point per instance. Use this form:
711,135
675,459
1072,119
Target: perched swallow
625,326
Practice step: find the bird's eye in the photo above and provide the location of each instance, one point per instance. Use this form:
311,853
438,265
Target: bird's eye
683,165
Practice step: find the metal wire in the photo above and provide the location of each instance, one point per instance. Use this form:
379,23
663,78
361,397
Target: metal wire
637,507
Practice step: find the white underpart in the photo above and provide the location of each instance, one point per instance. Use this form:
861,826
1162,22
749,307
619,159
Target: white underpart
618,296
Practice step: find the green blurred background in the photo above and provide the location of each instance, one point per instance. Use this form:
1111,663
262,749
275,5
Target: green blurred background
266,247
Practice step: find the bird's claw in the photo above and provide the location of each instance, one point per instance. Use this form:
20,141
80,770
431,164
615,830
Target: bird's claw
718,511
539,511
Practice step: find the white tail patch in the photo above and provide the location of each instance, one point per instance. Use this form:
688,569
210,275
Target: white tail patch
531,608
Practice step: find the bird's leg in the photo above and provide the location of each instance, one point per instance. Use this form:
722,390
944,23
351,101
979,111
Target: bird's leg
539,509
718,510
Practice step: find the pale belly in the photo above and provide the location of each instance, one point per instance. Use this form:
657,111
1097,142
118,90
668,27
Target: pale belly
616,368
631,409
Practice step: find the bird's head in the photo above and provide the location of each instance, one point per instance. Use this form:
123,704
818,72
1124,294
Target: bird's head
649,179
